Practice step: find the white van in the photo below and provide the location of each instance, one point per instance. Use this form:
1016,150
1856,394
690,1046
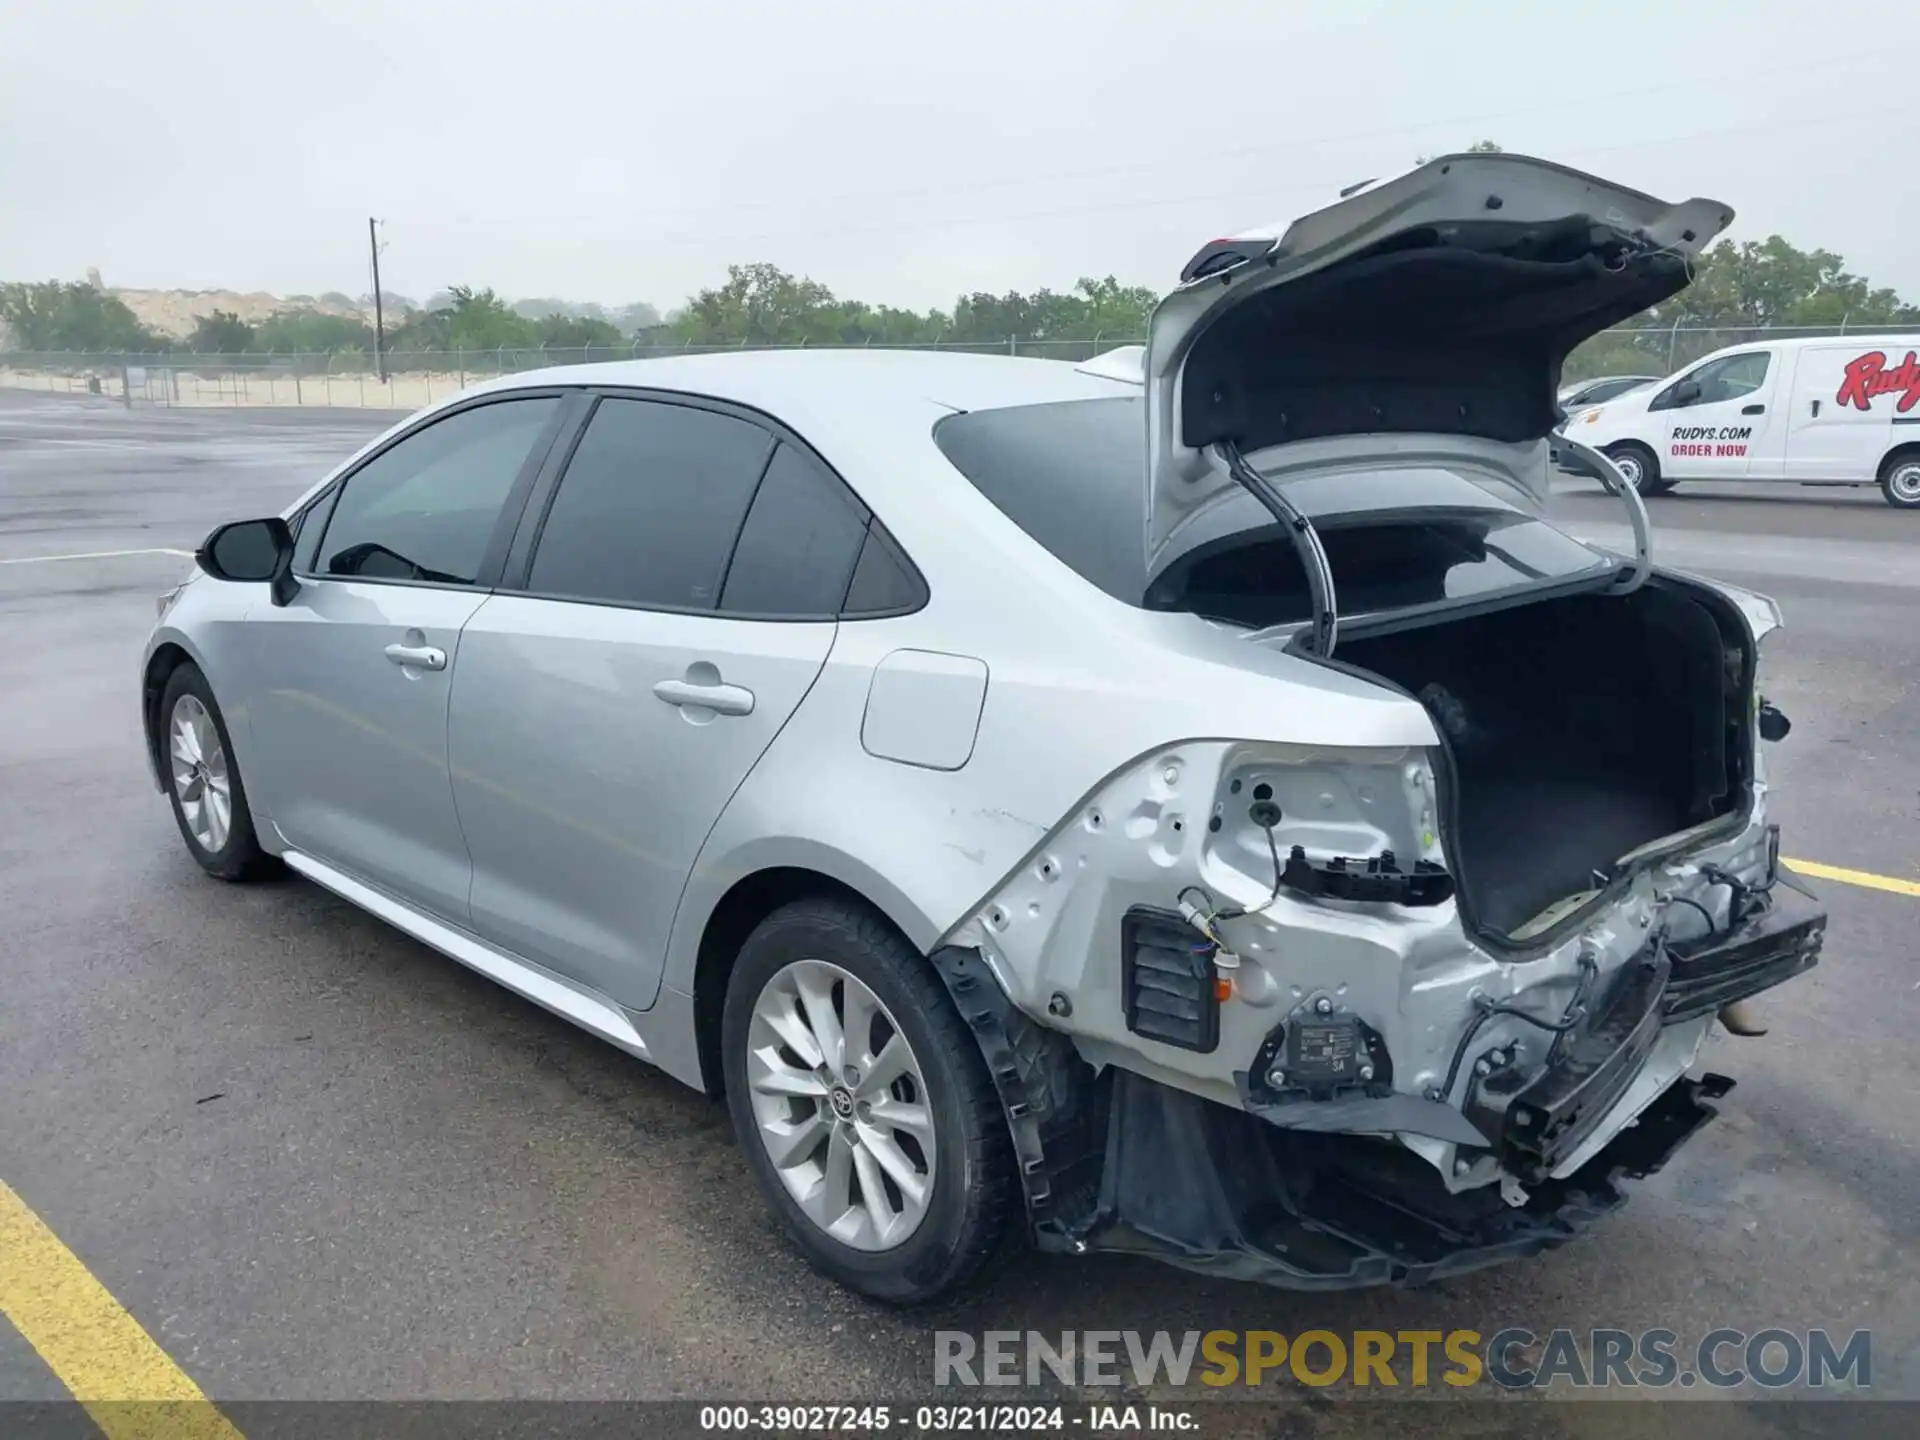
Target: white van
1827,411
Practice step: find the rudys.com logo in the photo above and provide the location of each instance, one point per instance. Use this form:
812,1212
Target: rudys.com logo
1868,377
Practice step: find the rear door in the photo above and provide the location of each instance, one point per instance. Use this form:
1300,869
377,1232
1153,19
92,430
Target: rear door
1839,425
673,604
1713,417
350,720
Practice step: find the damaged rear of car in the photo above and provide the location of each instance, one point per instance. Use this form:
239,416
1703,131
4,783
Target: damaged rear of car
1326,1015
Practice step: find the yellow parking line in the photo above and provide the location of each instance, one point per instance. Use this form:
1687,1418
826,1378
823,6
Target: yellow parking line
130,1387
1856,877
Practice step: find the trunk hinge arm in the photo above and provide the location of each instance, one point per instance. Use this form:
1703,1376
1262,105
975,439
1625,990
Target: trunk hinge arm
1611,477
1306,540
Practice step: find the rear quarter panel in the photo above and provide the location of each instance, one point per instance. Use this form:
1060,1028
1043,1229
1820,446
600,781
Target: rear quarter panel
1079,686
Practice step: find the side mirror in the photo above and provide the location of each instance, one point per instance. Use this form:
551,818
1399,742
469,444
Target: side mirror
1687,392
251,552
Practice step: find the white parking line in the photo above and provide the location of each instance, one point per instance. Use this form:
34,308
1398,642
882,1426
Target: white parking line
92,555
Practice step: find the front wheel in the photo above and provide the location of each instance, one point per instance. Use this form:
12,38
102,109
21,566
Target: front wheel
1900,481
1639,467
863,1104
203,780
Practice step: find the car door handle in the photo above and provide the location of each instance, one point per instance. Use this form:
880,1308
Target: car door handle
1816,407
1753,409
420,657
722,699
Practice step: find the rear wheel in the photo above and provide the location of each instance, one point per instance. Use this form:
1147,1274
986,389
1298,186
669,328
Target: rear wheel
863,1105
1900,480
1639,466
203,781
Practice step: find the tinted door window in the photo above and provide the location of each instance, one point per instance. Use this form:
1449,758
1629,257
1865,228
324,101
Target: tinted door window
797,550
1727,378
884,580
427,507
649,507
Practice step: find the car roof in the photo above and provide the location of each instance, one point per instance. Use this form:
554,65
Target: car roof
842,382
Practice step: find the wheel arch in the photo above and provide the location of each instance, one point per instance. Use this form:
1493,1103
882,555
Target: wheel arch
167,655
725,925
1906,450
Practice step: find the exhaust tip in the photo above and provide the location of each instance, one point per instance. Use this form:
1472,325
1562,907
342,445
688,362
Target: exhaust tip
1742,1019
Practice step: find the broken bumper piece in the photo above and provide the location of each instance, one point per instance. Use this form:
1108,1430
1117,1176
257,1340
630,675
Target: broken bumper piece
1774,945
1223,1193
1306,1187
1118,1162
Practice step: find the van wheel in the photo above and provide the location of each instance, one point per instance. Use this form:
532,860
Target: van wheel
1639,466
1900,480
863,1104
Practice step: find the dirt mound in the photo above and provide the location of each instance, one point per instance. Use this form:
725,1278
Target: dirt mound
174,312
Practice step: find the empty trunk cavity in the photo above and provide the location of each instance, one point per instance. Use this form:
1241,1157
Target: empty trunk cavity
1581,729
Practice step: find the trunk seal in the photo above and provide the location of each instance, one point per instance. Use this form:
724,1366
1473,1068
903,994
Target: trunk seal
1447,785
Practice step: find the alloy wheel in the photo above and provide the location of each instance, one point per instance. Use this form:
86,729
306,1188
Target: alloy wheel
1904,482
841,1105
201,781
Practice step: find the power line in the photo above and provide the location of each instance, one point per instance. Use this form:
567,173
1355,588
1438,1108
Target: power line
379,315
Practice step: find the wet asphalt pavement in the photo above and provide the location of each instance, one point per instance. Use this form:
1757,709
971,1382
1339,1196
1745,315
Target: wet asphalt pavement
318,1161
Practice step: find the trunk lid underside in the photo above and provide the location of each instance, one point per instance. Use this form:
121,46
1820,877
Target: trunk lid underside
1441,303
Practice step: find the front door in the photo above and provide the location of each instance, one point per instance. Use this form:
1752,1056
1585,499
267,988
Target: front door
680,602
1716,416
350,718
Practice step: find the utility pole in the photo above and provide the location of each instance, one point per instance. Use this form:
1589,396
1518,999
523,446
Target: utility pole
379,317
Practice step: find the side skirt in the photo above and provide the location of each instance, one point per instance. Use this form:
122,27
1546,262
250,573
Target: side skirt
585,1008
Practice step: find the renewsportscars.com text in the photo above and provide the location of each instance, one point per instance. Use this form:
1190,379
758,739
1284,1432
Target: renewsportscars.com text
1512,1358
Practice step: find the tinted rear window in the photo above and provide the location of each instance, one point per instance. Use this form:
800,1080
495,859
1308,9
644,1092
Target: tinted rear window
1379,563
1072,475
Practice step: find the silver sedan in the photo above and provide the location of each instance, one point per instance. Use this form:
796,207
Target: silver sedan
1189,803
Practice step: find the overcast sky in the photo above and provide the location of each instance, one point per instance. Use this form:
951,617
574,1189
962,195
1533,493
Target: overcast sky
620,150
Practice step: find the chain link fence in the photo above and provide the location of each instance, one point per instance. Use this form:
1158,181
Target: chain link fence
401,379
1663,349
412,379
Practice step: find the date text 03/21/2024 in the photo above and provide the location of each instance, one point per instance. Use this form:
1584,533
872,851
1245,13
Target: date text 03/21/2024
954,1419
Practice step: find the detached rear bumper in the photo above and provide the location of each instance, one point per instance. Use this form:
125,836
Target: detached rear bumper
1116,1161
1220,1192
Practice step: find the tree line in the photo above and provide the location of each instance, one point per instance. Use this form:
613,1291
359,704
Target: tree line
1739,288
759,304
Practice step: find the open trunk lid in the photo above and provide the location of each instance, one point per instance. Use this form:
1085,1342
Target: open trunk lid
1442,303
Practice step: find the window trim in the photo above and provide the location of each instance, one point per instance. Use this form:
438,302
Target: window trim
493,560
533,516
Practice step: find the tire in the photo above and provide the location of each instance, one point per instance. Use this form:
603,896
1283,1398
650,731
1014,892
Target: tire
226,847
1900,480
810,950
1640,466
